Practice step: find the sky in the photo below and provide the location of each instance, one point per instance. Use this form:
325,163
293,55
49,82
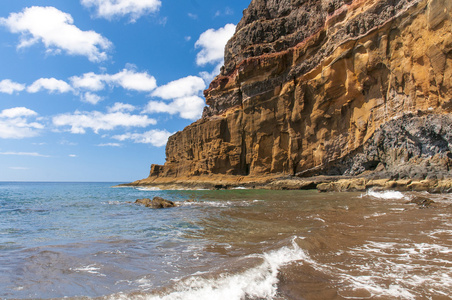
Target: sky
90,90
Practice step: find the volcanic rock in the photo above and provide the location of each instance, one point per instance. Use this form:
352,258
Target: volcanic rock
422,202
156,202
332,87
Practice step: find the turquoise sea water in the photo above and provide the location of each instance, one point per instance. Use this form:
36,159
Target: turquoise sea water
89,240
55,236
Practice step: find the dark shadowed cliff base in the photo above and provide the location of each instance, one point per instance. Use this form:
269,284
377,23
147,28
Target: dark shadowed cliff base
335,95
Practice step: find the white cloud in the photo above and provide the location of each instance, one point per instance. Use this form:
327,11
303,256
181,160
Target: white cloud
109,9
8,87
91,98
121,107
72,155
187,86
80,121
88,81
50,84
131,80
110,145
14,123
17,112
212,43
128,79
56,31
155,137
208,77
24,154
187,107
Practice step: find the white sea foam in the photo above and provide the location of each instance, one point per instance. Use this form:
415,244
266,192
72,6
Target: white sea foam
375,215
112,203
220,203
385,194
257,283
398,270
91,269
434,233
151,188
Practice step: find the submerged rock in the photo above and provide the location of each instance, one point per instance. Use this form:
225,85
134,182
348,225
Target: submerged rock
156,202
422,202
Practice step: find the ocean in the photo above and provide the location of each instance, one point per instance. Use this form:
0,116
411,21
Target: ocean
89,240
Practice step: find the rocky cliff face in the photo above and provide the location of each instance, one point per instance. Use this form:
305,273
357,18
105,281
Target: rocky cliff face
315,87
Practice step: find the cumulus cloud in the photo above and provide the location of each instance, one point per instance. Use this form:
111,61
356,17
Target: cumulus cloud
89,97
17,112
187,86
212,43
184,94
128,79
131,80
15,124
88,81
56,30
121,107
95,120
155,137
50,84
9,87
187,107
110,9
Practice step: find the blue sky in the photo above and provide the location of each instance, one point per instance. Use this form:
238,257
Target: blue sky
90,90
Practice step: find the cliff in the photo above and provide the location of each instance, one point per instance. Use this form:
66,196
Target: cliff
331,87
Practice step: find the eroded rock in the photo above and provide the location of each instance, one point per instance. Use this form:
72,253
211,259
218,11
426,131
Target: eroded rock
156,202
330,87
422,202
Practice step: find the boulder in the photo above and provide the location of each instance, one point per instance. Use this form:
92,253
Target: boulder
422,202
156,202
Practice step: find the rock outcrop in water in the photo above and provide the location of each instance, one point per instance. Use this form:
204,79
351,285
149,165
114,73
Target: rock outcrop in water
156,202
331,87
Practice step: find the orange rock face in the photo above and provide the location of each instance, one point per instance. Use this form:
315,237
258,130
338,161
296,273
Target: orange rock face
309,83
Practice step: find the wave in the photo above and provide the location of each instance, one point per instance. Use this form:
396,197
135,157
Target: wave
400,270
148,188
259,282
385,194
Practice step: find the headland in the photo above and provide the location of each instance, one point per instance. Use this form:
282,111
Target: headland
336,95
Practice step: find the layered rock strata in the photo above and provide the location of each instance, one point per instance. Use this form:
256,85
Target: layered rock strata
330,87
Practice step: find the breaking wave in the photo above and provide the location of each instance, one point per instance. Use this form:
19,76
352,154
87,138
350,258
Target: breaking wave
386,194
259,282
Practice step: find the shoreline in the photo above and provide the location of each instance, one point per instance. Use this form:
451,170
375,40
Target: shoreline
284,182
